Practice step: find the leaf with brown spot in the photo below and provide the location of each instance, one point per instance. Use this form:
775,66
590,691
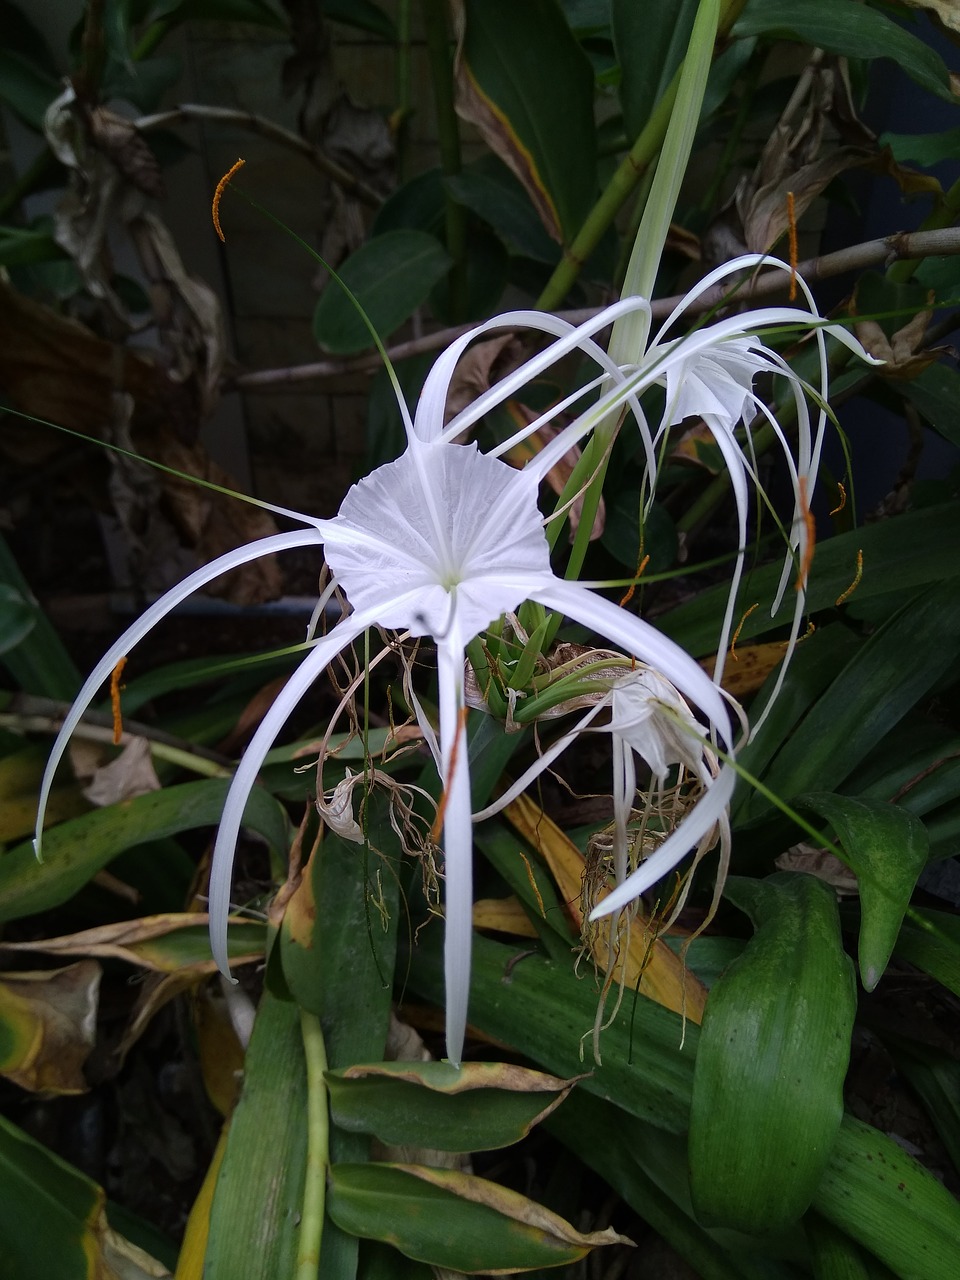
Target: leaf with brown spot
48,1026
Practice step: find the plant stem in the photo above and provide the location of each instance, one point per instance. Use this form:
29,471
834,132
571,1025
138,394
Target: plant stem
266,129
856,257
625,178
455,216
318,1150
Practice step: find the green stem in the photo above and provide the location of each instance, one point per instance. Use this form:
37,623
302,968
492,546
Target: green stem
455,216
404,106
318,1150
945,215
625,178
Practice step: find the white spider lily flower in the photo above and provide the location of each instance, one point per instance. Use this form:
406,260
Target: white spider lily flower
440,542
708,373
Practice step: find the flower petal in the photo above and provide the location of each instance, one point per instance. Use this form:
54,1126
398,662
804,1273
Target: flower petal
245,777
159,609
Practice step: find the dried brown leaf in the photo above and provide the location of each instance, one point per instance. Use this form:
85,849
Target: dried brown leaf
48,1025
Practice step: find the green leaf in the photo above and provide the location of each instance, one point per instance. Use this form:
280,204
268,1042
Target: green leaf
934,393
543,1010
76,850
259,1192
778,1023
20,246
362,14
935,1077
25,88
526,83
476,1107
495,196
890,1204
922,148
418,205
896,667
931,941
43,666
886,847
651,42
53,1220
390,276
908,551
848,28
17,617
454,1220
619,1149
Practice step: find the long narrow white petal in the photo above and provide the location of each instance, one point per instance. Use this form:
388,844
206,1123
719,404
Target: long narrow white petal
635,636
569,337
457,840
159,609
705,814
245,777
542,762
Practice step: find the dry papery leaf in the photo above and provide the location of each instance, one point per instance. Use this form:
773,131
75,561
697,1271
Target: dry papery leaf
901,353
130,774
49,1023
820,863
948,11
56,369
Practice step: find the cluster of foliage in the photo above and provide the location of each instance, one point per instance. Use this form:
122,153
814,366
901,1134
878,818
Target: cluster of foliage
701,1085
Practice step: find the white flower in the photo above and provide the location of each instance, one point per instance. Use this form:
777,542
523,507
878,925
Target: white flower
708,373
439,542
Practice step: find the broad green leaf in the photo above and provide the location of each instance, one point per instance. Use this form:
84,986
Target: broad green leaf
773,1053
908,551
543,1010
887,848
337,950
53,1220
618,1148
338,938
884,680
922,148
848,28
256,1205
454,1220
76,850
390,276
934,393
495,196
890,1204
651,41
931,940
476,1107
834,1256
418,205
525,82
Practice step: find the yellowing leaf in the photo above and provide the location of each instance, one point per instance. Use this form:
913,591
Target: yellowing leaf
48,1025
665,977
